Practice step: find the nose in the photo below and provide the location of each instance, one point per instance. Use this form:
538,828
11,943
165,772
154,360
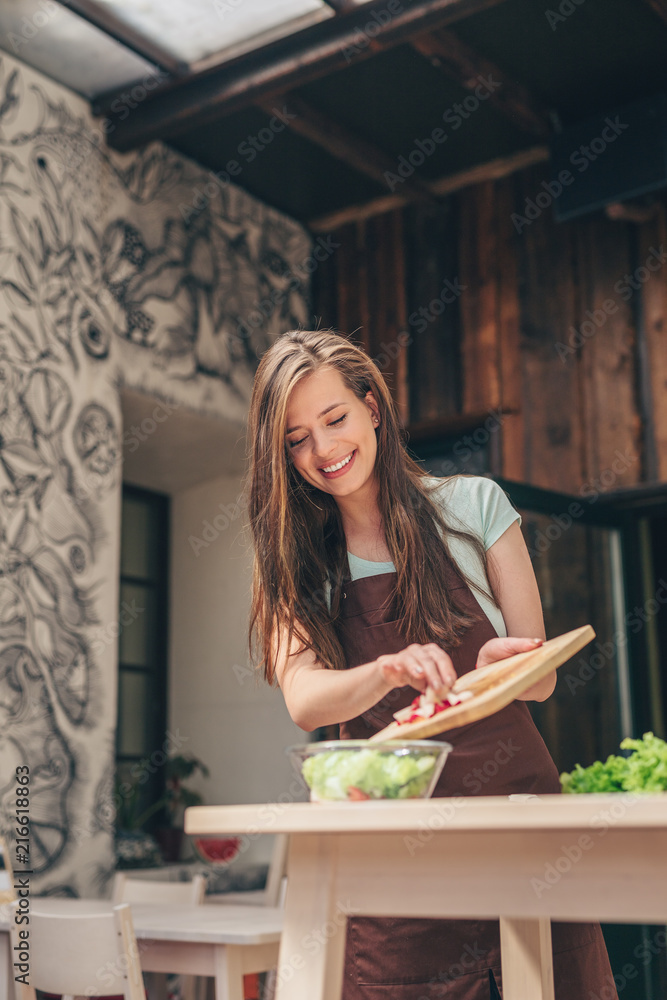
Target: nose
324,447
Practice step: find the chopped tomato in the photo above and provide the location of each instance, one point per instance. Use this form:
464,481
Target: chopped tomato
423,708
355,794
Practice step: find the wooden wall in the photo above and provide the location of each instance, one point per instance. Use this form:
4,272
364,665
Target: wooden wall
590,412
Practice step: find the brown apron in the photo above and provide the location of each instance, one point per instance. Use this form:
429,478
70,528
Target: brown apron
420,959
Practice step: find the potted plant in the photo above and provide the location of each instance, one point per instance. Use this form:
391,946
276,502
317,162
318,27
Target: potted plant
130,834
175,800
134,847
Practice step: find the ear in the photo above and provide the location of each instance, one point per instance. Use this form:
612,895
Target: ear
371,403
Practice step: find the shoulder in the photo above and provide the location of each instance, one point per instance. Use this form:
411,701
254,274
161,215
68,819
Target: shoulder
477,504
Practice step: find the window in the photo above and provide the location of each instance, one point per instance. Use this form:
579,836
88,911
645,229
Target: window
142,648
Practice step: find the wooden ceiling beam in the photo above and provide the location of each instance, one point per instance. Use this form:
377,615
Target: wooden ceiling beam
659,7
308,55
492,170
460,62
344,145
341,6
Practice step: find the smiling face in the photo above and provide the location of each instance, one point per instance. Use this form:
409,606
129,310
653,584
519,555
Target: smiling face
331,434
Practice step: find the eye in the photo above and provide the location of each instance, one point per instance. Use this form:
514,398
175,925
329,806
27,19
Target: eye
293,444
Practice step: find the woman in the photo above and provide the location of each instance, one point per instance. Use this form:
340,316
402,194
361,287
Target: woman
373,580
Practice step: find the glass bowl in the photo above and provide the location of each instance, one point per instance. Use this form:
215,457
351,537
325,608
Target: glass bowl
356,770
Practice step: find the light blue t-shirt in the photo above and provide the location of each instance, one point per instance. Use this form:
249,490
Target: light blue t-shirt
471,503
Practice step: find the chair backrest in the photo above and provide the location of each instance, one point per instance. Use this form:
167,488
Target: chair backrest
7,893
89,954
135,890
275,880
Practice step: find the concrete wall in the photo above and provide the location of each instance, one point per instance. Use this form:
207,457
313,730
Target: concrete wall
110,279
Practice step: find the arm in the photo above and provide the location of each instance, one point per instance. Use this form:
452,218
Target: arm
316,696
515,588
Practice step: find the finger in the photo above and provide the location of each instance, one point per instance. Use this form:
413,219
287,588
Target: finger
400,674
417,670
445,665
439,671
500,648
522,645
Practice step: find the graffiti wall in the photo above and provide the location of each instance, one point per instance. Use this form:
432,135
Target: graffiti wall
110,277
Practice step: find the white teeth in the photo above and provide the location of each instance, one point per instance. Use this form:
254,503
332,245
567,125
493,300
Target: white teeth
335,468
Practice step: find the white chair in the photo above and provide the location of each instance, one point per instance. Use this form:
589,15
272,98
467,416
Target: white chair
135,890
84,955
7,894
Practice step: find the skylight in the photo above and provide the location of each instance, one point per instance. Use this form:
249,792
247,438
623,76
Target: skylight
194,30
69,46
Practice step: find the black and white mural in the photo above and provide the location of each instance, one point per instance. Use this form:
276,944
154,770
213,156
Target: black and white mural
114,272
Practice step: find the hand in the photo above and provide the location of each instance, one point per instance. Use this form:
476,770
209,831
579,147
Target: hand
420,666
500,648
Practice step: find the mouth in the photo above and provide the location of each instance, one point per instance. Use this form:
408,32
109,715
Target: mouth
339,468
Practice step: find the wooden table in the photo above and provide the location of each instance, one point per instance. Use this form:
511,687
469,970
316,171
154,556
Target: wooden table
219,941
578,857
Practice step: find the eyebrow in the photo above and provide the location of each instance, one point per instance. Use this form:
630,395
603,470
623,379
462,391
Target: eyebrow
332,407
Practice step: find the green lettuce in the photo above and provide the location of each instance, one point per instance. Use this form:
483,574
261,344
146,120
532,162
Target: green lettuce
379,774
644,770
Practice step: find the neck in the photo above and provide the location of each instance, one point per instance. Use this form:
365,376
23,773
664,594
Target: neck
360,512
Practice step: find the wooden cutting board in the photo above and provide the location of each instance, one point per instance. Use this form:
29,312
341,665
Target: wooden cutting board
494,686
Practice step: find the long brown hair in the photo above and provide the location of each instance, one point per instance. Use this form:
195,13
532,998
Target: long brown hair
297,530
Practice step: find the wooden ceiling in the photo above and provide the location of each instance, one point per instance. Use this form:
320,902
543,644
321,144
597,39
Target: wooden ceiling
397,101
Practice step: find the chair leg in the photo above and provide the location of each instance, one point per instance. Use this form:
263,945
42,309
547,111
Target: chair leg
228,973
270,985
190,987
156,985
200,988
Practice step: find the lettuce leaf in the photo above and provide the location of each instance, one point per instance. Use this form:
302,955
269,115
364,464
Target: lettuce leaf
379,774
644,770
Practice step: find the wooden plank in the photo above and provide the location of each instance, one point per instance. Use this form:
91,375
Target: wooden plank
305,56
365,252
396,245
493,687
433,323
371,301
309,913
550,387
491,814
458,423
387,296
653,235
346,256
659,7
325,292
438,872
604,327
553,405
492,170
512,458
341,6
457,60
610,377
479,301
579,722
527,959
342,143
